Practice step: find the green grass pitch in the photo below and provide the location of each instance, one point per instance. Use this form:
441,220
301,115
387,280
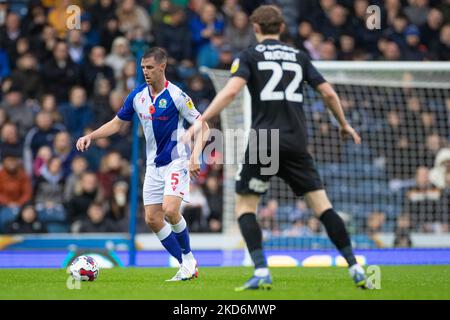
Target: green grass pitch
397,282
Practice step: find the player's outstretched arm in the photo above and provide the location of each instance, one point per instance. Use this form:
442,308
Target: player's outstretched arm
332,102
199,144
106,130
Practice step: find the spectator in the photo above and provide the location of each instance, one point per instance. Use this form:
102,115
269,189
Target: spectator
327,51
267,217
76,46
119,56
64,150
58,17
77,206
44,43
313,44
213,192
346,47
441,168
391,52
96,220
77,114
204,27
174,35
403,232
48,104
90,34
392,9
60,73
26,222
196,211
396,33
100,12
413,50
27,78
443,47
9,140
42,158
131,16
417,11
42,134
304,31
15,185
423,202
72,186
427,153
18,111
229,9
429,32
239,33
109,32
375,223
9,34
127,81
49,190
118,205
95,69
336,24
110,172
100,102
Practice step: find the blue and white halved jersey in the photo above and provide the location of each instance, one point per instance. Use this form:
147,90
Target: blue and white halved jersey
162,118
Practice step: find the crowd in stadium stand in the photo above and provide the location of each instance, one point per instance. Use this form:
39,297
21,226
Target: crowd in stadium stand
58,84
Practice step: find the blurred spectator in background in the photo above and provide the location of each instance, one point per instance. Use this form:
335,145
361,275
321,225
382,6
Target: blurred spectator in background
429,32
132,15
239,32
110,171
205,26
417,11
229,9
10,143
42,134
48,104
63,149
413,50
101,11
100,102
109,32
58,17
27,77
49,190
26,222
60,73
313,44
327,51
72,186
423,202
96,220
127,81
267,217
174,35
94,69
76,45
42,158
214,195
374,226
17,110
15,188
118,205
336,24
403,232
442,48
78,205
77,113
120,54
9,34
196,211
441,168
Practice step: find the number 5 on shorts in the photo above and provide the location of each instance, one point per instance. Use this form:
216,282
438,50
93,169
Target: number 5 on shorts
174,178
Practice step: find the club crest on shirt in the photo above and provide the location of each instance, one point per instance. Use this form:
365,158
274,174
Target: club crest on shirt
234,65
162,103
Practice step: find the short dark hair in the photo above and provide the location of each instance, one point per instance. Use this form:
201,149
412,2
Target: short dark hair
158,53
269,18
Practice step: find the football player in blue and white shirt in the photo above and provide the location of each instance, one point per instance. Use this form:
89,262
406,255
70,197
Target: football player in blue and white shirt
163,109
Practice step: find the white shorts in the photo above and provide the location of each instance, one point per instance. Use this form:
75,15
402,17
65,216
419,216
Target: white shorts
170,180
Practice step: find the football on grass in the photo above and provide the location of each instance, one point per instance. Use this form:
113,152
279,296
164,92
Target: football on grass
84,268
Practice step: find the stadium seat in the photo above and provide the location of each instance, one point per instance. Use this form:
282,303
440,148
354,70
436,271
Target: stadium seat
56,227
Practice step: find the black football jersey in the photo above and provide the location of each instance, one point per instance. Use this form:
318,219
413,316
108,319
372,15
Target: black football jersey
275,74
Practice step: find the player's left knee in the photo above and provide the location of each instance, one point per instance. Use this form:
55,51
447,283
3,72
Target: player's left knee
171,212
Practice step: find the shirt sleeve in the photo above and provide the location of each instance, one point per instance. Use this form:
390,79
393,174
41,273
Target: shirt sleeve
186,107
126,112
241,66
311,74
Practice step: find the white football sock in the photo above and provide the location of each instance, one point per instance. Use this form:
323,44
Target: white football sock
261,272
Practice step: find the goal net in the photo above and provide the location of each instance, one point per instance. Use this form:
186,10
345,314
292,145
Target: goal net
396,182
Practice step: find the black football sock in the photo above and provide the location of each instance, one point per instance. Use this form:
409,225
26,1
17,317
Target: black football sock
252,234
338,235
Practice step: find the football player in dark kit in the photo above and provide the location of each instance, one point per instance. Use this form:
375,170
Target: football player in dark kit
275,73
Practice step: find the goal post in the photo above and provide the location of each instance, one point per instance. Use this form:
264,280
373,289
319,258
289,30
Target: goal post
402,111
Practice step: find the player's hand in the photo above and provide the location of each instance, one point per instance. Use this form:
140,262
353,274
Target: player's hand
83,143
192,131
194,168
347,131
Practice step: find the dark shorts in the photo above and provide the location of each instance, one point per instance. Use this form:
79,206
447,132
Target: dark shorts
298,170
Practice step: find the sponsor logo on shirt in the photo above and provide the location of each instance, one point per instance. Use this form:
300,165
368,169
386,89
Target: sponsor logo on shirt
190,104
